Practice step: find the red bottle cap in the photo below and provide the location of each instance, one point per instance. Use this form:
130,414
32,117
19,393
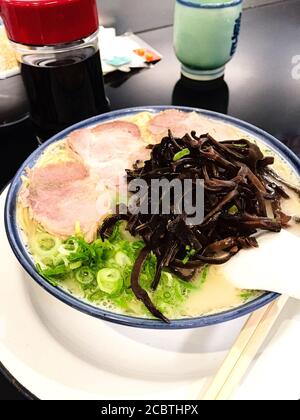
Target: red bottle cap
48,22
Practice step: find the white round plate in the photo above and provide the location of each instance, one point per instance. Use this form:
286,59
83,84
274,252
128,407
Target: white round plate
58,353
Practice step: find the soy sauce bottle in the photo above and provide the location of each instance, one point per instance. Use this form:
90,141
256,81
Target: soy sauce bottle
56,42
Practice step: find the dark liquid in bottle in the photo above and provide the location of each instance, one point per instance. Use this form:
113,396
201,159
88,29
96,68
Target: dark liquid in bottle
64,92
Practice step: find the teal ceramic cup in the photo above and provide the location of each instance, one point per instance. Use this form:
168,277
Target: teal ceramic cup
206,35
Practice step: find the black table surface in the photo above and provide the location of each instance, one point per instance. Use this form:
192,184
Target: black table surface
259,87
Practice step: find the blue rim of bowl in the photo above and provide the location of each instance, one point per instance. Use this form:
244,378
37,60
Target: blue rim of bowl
220,5
24,258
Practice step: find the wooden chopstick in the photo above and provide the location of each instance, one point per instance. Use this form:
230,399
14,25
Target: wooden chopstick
244,350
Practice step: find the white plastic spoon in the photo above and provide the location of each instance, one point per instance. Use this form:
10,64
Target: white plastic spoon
274,266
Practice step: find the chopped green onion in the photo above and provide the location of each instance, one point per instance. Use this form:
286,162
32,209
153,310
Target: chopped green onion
246,295
181,154
202,277
47,261
125,234
96,296
54,271
204,274
44,244
190,253
233,210
68,247
102,270
84,276
109,280
122,259
75,265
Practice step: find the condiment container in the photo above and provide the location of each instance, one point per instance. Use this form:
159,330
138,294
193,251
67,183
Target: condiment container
56,42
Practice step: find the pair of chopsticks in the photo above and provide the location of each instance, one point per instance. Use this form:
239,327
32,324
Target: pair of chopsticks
244,350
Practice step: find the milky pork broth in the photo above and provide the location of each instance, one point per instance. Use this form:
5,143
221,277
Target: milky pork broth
70,192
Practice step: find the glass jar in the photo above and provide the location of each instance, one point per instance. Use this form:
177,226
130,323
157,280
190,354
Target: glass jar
206,35
59,59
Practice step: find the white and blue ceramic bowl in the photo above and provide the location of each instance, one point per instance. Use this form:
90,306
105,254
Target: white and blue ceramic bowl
22,254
